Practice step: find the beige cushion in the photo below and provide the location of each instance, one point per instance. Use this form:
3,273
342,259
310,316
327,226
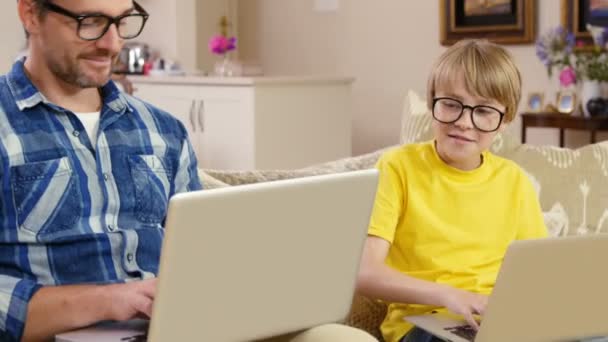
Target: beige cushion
208,181
228,177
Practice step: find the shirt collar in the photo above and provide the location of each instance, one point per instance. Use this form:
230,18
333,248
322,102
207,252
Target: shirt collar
26,94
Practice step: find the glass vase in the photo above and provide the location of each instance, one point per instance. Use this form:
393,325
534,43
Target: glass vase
227,67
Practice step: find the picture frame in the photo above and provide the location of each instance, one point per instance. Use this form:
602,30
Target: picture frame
576,14
566,101
504,22
535,102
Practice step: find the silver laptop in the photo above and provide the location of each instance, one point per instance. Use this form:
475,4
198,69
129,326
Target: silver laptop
254,261
553,289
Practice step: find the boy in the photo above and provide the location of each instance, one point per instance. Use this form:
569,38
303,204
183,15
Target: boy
446,210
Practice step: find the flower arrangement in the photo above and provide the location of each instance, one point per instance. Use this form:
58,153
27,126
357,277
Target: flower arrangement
574,60
554,49
220,44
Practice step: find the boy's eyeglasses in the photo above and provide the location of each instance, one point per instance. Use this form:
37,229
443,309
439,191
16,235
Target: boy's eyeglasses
94,26
448,110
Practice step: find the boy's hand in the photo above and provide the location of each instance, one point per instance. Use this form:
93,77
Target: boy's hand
466,304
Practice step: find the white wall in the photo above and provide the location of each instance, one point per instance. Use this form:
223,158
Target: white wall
180,29
12,38
161,29
387,45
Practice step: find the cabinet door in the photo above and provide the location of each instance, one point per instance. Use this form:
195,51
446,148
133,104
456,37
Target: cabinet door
227,129
182,107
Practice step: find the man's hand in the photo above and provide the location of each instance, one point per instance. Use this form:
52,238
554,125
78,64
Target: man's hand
56,309
465,303
131,300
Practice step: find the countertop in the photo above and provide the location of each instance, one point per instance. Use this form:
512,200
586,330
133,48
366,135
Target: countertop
239,81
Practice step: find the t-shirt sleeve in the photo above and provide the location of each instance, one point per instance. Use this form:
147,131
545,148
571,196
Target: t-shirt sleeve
532,223
390,198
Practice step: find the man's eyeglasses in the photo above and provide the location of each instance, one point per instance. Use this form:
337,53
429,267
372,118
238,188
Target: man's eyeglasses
94,26
484,118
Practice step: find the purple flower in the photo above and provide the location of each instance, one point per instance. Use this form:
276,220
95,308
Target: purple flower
567,77
604,37
570,42
219,44
555,48
231,44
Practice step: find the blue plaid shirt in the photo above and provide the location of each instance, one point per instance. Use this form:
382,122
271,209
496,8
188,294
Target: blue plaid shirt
73,210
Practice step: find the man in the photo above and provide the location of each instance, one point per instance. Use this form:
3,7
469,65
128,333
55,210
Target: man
86,173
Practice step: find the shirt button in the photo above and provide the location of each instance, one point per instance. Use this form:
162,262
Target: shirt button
105,176
111,228
130,257
76,134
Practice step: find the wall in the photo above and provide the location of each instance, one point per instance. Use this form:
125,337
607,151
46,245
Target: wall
181,29
388,46
12,38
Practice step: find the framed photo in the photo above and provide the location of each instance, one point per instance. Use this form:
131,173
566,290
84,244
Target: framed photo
501,21
566,102
576,14
535,102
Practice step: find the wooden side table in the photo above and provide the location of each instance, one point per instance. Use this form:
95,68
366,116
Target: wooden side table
562,122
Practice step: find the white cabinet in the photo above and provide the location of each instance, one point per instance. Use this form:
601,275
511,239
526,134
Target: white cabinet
257,123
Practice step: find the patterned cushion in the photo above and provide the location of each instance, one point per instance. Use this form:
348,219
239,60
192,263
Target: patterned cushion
367,314
571,185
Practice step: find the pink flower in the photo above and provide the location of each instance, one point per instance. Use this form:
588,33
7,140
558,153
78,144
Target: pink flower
567,77
580,43
219,44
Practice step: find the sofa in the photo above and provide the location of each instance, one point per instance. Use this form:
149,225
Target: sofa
571,185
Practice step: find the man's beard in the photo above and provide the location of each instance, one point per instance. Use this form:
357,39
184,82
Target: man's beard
71,73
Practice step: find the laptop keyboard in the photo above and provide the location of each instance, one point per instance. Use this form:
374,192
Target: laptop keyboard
465,331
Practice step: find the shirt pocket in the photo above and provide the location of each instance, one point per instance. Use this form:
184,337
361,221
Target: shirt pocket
151,180
46,197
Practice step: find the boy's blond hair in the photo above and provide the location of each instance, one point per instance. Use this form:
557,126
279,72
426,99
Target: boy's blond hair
488,70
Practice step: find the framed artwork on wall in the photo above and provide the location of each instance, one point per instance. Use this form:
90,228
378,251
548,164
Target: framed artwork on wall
576,14
501,21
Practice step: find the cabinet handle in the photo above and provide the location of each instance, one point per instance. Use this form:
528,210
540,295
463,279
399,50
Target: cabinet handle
192,122
201,115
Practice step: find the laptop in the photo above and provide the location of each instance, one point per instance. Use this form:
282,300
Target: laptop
552,289
255,261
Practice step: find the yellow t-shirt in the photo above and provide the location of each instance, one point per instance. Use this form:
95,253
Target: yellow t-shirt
447,225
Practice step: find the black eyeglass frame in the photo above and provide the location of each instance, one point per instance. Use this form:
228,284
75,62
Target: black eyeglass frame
472,108
141,12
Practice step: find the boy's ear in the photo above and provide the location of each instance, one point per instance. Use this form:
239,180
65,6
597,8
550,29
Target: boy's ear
503,126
